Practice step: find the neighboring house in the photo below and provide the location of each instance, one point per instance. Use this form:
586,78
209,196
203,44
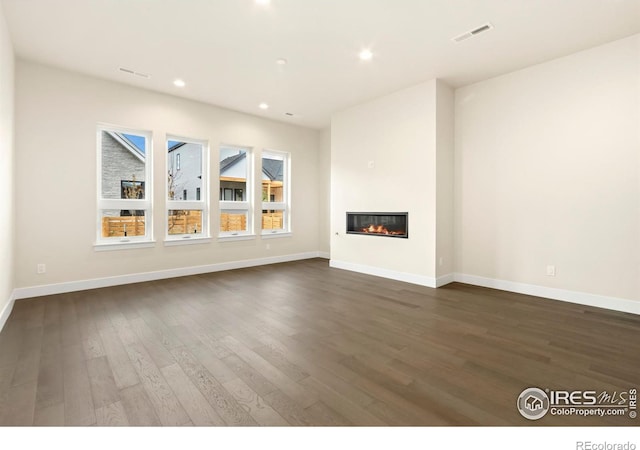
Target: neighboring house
122,161
233,170
233,177
123,166
272,177
185,170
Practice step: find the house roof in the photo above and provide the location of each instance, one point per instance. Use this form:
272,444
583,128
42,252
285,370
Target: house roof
231,161
271,168
174,145
130,143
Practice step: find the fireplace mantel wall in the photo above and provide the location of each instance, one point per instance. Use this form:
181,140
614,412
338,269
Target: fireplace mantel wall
392,166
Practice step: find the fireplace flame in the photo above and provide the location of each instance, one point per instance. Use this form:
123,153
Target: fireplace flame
380,229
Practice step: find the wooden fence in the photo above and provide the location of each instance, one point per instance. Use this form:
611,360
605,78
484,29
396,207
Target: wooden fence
120,226
185,222
272,220
238,222
233,222
181,222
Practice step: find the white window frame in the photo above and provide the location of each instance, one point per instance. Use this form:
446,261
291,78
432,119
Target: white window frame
146,204
203,204
284,206
247,204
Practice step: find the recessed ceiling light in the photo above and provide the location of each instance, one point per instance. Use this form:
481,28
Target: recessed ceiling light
281,61
263,105
263,2
179,83
365,54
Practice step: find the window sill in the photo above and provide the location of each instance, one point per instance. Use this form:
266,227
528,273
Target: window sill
186,241
279,234
239,237
109,246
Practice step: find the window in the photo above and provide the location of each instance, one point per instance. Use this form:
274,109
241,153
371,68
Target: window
187,172
235,187
124,202
275,192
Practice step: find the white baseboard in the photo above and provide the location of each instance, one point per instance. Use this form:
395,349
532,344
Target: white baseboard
384,273
445,279
72,286
581,298
6,311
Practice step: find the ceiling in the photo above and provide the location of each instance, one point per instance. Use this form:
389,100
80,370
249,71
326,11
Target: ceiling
226,50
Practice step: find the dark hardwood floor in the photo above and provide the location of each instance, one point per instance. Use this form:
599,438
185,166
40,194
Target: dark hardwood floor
303,344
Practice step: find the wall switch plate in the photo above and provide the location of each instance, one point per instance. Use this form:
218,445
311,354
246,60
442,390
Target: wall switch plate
41,268
371,164
551,271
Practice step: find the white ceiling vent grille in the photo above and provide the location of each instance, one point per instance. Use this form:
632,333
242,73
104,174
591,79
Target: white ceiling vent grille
133,72
476,31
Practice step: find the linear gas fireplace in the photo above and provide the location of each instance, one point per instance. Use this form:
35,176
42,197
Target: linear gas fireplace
389,224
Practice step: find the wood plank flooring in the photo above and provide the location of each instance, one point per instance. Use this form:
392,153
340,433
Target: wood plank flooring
303,344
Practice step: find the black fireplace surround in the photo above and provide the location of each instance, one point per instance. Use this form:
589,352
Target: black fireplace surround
387,224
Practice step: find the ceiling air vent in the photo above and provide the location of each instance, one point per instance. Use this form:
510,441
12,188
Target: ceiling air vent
476,31
133,72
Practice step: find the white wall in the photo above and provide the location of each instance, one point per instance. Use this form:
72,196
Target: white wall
56,117
398,134
324,190
548,173
444,258
6,168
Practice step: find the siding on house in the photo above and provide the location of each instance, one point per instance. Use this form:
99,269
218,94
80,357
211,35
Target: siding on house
118,164
189,177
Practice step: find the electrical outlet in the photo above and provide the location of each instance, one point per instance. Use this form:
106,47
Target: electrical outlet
268,246
371,164
41,268
551,271
441,261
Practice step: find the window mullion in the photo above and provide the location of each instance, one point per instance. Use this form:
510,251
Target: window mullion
123,204
179,204
235,205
